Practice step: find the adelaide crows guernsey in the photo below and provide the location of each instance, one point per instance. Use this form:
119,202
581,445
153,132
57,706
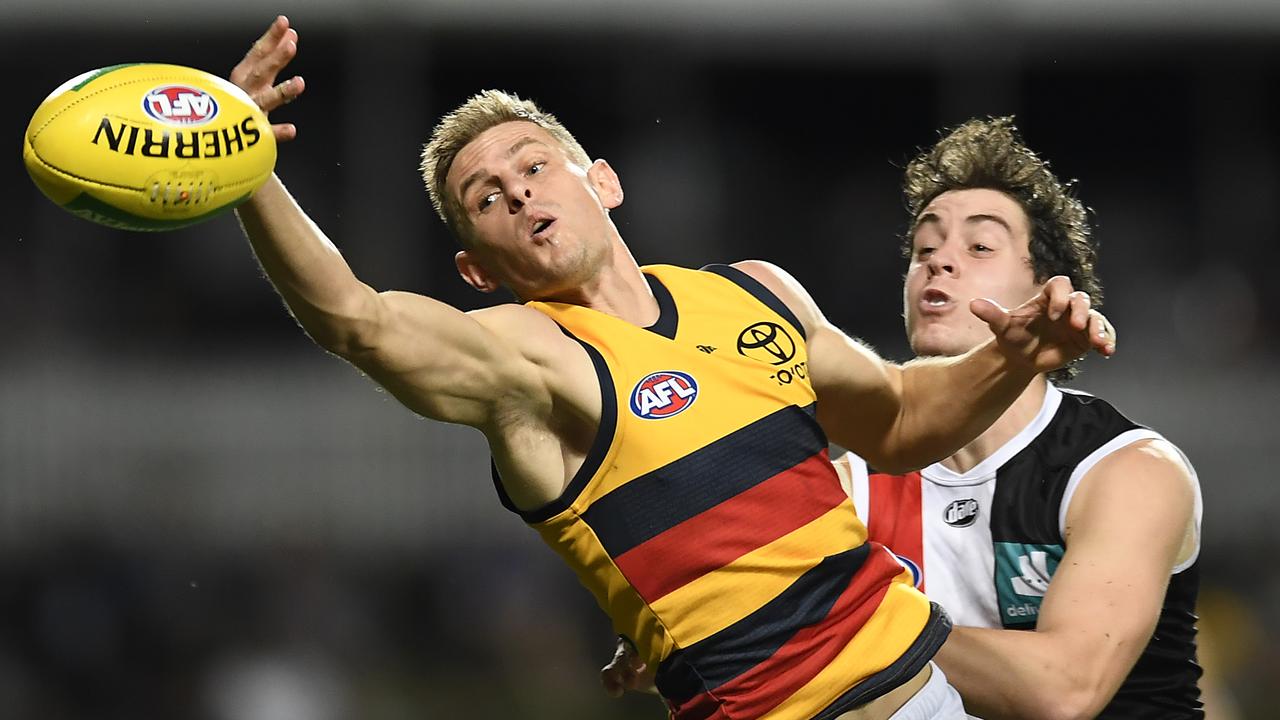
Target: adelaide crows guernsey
709,523
985,543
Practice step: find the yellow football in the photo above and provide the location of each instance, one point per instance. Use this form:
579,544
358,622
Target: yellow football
148,146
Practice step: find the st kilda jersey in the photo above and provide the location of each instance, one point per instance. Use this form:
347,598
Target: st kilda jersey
985,543
709,522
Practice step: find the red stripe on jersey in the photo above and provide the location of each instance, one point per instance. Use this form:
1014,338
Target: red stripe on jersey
895,516
746,522
765,686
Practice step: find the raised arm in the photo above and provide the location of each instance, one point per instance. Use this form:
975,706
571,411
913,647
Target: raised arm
437,360
904,417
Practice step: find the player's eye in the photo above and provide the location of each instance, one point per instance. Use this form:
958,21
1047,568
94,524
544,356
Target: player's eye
536,168
486,200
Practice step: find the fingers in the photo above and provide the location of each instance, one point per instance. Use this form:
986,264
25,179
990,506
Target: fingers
611,679
1078,305
265,59
990,312
272,97
1102,335
617,678
284,132
270,38
1057,294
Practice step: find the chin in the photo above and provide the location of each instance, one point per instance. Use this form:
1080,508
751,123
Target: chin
932,344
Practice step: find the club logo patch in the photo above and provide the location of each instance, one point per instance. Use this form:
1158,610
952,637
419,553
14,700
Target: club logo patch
662,394
180,105
961,513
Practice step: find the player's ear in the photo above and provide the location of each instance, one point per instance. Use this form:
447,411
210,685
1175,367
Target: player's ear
606,183
473,273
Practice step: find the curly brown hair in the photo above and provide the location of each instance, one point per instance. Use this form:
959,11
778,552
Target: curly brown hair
990,154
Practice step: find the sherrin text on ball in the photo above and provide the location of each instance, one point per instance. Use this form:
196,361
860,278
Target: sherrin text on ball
148,146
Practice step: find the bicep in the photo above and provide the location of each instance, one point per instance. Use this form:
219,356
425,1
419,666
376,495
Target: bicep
1124,528
443,363
859,393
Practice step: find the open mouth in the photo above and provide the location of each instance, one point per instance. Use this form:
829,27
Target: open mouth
541,225
935,298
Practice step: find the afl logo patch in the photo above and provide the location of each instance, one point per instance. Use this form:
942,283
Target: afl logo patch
180,105
663,394
961,513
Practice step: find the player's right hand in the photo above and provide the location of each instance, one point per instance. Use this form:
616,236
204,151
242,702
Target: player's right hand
626,671
256,73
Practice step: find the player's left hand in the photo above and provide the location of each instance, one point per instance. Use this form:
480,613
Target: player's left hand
626,671
256,73
1051,329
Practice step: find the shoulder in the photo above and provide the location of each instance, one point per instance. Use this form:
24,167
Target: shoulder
508,315
789,290
532,334
1148,478
1148,463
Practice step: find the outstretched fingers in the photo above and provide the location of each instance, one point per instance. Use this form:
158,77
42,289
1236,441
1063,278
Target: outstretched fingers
990,312
256,73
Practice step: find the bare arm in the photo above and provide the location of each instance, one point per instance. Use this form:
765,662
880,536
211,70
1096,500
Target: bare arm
1102,604
439,361
904,417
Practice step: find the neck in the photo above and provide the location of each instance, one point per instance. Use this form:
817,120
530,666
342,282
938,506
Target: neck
618,288
1013,421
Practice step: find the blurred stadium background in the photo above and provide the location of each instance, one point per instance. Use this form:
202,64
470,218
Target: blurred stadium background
204,517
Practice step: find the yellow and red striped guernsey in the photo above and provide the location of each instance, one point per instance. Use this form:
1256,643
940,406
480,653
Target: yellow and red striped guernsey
709,523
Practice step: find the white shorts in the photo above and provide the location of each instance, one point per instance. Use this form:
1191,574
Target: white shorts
937,700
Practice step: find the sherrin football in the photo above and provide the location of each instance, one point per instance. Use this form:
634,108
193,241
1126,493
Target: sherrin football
148,146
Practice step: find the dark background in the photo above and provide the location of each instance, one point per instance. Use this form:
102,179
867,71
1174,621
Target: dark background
203,516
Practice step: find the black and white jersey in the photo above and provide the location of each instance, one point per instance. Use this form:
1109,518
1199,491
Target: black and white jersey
985,543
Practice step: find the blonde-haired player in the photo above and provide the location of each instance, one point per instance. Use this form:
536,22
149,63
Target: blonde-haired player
622,442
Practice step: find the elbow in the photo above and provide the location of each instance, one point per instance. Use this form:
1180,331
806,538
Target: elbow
350,342
1069,701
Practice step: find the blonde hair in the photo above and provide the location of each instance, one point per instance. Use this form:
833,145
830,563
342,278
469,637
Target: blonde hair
482,111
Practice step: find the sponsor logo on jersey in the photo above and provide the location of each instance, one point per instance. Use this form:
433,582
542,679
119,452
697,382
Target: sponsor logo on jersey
181,105
767,342
961,513
663,394
1023,573
1035,575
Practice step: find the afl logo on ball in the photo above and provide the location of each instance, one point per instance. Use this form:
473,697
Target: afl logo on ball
961,513
181,105
663,394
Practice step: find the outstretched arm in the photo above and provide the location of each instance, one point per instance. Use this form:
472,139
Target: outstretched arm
904,417
440,362
1102,603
